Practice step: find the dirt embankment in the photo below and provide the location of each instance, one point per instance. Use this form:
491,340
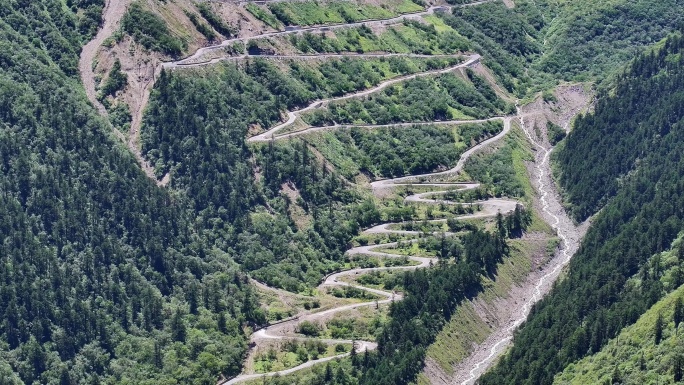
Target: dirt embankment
93,57
113,13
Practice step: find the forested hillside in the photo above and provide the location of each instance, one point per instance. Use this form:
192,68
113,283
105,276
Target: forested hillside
103,278
626,155
196,127
647,351
106,278
539,42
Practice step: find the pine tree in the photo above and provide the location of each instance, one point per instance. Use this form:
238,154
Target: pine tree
222,327
354,356
328,373
158,362
178,331
500,226
678,312
617,376
64,378
658,329
678,371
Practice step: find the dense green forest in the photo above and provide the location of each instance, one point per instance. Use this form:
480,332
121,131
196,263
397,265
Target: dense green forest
103,278
533,45
628,357
589,39
626,158
504,38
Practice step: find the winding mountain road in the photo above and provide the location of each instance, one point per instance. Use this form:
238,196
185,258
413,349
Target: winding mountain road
310,130
488,208
176,65
197,56
114,11
293,115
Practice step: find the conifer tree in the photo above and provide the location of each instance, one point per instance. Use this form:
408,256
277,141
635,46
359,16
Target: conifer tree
658,329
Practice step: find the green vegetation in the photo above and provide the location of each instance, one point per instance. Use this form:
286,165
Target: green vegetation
120,116
583,40
423,99
309,329
358,327
88,14
315,13
503,37
409,37
399,151
503,172
150,31
116,81
352,292
214,20
642,216
294,353
103,277
336,372
589,39
202,28
556,133
647,351
263,15
383,280
47,28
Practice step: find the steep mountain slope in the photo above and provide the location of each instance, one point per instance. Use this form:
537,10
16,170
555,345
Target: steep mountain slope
635,138
647,351
108,278
103,278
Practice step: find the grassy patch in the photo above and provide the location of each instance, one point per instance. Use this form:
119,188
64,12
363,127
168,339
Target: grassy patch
503,171
408,37
150,31
363,324
456,338
337,12
264,15
289,354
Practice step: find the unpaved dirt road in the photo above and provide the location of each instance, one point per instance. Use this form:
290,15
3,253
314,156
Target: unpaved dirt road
286,330
293,115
